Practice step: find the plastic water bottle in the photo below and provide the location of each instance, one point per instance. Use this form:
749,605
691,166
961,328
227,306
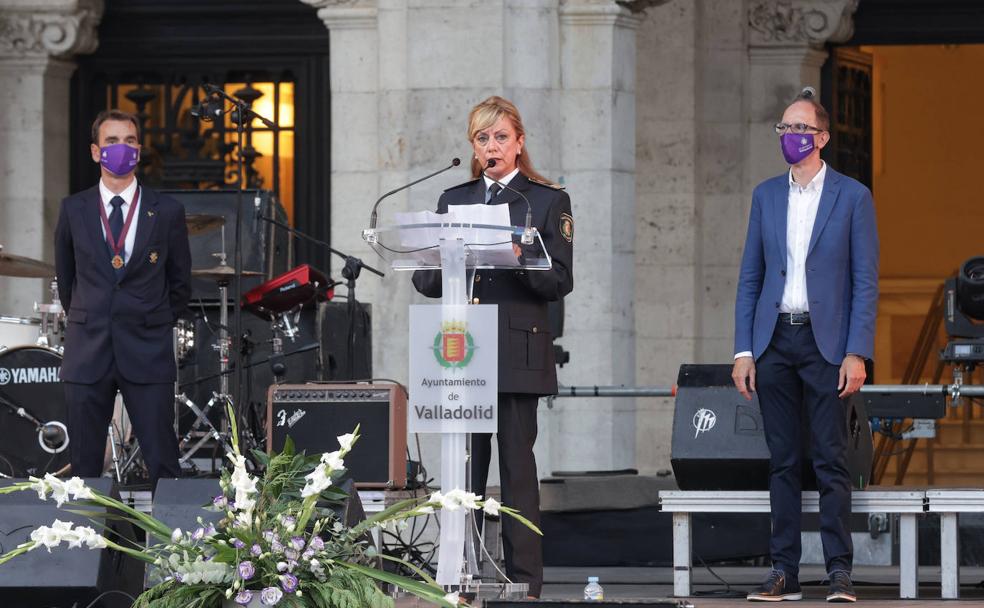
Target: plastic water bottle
593,591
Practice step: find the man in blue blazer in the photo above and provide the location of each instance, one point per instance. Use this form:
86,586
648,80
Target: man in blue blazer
804,326
124,276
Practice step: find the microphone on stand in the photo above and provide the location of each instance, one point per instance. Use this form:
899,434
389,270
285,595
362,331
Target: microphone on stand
208,109
372,216
527,238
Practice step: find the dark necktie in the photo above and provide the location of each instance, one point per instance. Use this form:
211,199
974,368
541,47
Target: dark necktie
116,227
493,190
116,217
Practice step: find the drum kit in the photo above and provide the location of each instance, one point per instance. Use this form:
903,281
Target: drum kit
33,413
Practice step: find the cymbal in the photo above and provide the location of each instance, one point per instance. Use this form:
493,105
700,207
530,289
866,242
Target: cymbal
200,223
19,266
222,273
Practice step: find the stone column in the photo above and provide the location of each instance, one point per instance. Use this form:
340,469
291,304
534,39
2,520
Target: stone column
597,153
37,42
785,53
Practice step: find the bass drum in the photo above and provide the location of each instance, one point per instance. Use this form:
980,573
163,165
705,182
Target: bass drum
29,381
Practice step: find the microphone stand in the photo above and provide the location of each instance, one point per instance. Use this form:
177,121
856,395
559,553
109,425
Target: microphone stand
527,238
241,116
350,272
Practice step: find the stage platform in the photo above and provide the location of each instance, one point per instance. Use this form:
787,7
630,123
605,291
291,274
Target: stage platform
878,584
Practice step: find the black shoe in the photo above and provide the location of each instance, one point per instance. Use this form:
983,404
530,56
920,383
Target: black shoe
841,589
776,588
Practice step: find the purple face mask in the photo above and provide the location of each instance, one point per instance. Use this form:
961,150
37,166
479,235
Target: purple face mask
796,146
119,159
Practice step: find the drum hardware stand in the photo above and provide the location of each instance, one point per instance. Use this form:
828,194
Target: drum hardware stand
52,316
112,446
222,397
282,325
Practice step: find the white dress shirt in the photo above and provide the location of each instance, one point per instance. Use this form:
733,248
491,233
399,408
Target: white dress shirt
106,195
800,217
801,214
505,180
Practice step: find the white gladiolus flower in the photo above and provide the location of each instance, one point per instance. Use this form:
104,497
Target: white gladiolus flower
460,498
452,598
39,486
346,441
77,488
243,482
318,481
491,506
333,460
176,535
59,491
51,536
90,538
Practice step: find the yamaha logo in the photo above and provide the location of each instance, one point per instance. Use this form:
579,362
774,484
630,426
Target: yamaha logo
28,375
704,420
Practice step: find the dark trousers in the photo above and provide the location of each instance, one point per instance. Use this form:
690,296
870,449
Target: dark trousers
151,410
794,380
522,548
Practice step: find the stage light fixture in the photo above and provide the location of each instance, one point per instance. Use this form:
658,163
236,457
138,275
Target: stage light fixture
970,288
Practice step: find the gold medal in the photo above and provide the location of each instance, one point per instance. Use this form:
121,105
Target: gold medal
117,262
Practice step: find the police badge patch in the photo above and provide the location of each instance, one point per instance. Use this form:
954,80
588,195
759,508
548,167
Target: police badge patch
567,227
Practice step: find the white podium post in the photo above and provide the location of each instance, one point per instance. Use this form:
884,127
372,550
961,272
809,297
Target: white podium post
454,386
454,446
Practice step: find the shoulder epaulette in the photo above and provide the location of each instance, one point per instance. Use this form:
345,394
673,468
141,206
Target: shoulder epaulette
462,185
545,183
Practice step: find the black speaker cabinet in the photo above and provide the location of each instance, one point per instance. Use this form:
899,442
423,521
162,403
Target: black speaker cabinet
313,415
65,577
266,248
719,441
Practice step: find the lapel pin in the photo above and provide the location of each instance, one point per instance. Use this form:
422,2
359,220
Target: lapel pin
150,213
153,257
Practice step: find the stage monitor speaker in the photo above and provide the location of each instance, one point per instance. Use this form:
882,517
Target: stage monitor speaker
65,577
313,415
265,247
719,441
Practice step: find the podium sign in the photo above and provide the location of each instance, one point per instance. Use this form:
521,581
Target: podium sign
454,369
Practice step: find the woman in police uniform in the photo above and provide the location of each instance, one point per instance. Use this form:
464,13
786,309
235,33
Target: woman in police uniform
527,369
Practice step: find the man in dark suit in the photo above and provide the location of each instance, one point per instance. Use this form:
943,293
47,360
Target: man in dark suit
527,369
124,274
804,326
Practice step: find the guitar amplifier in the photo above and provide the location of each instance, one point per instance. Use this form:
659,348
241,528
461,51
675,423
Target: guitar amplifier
314,415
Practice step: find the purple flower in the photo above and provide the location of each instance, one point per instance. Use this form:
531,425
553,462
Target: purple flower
276,546
210,530
198,534
271,596
238,543
297,542
256,550
317,544
220,502
308,553
288,582
268,536
244,597
289,521
291,554
246,570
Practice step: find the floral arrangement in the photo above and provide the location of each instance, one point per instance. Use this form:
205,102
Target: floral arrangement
278,542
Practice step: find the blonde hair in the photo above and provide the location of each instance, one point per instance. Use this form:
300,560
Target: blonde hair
486,114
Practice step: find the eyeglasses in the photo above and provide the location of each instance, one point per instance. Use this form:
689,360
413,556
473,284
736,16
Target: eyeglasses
483,140
797,127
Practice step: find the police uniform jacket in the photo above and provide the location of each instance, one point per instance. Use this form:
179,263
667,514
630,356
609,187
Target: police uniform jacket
526,356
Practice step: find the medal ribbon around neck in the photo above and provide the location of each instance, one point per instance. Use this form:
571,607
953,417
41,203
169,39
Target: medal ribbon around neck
117,246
